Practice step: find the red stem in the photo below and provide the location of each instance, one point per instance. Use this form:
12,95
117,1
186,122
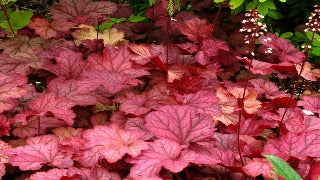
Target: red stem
167,38
8,19
151,25
217,17
188,175
306,50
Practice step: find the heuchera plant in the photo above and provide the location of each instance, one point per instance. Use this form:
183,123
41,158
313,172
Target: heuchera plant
171,97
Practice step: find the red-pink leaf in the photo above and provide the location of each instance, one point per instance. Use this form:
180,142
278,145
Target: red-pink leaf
52,174
11,87
297,145
308,72
138,124
69,65
282,49
182,124
196,30
162,152
228,104
204,101
111,143
5,125
71,173
67,132
112,60
259,67
73,90
49,102
143,54
100,173
258,166
314,172
81,11
132,103
267,88
39,151
32,126
70,139
311,103
48,30
209,48
3,158
25,51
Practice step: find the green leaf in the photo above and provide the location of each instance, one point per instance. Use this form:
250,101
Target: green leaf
316,39
5,2
262,0
218,1
136,18
236,3
18,20
105,26
286,35
274,14
315,51
263,7
283,0
283,169
151,2
117,20
252,5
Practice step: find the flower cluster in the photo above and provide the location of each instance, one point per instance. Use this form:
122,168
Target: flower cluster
252,26
313,24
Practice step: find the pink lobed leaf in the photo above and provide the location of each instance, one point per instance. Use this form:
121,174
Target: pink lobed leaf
59,107
297,145
196,30
39,151
258,166
74,91
161,153
204,101
209,48
282,49
11,87
132,103
182,124
48,30
69,65
311,103
111,143
32,126
81,11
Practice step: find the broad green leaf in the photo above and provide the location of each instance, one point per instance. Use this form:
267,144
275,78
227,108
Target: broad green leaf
252,5
218,1
236,3
105,26
136,18
18,20
315,51
274,14
283,0
283,169
262,0
263,7
117,20
316,39
151,2
286,35
5,2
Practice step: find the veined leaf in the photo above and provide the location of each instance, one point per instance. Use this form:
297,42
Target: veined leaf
283,169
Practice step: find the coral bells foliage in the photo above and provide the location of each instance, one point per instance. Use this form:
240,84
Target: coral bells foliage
78,103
